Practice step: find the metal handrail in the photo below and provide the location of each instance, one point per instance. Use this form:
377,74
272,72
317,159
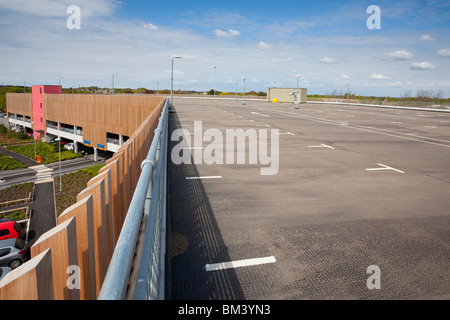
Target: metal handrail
117,277
150,282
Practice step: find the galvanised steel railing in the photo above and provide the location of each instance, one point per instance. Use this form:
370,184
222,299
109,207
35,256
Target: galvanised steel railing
148,206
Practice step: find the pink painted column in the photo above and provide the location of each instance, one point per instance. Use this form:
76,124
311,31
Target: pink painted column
37,94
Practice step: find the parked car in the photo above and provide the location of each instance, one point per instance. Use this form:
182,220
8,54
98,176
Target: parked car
13,252
85,150
4,271
10,230
69,146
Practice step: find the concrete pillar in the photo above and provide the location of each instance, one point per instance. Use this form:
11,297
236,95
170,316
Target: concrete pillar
120,140
75,145
95,154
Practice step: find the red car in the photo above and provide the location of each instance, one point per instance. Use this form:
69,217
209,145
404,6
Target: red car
9,230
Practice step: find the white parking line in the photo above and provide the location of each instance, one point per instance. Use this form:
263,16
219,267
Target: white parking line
239,263
289,133
362,128
321,146
205,177
260,114
384,168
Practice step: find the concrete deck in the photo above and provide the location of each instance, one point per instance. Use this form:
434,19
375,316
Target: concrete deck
356,187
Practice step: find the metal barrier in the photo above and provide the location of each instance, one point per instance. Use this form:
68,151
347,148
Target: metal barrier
148,207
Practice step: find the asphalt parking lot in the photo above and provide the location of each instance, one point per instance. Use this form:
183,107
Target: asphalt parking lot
355,187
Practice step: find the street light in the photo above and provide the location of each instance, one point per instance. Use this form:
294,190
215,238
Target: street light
347,92
34,138
215,67
60,88
297,97
60,181
243,102
112,91
171,80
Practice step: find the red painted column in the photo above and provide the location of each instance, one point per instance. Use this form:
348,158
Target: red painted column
37,94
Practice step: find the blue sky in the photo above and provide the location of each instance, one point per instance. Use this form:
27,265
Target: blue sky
267,42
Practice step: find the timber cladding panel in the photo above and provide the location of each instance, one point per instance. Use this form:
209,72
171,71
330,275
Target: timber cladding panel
20,103
99,114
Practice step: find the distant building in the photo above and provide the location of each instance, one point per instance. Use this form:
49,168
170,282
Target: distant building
286,95
99,121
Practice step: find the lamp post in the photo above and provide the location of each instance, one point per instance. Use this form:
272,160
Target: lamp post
171,80
215,73
347,92
60,181
297,96
34,138
60,88
243,102
112,91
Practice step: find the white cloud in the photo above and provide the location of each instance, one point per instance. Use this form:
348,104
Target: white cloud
376,76
425,65
327,60
444,53
396,55
263,46
283,60
227,34
57,9
37,43
426,37
150,26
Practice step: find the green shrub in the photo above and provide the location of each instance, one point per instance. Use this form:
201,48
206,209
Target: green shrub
8,163
48,152
93,171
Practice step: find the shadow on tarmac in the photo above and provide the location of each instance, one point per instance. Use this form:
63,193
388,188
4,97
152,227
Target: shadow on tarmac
194,238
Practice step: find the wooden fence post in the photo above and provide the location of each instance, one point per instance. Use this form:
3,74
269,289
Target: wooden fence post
62,241
31,281
97,191
108,224
83,213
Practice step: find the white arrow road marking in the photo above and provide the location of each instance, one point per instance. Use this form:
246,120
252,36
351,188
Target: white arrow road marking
239,263
384,168
260,114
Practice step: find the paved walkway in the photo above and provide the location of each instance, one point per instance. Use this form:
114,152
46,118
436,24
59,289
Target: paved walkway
43,217
21,158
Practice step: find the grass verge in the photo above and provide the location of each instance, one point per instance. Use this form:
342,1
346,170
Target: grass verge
48,152
8,163
72,184
16,192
